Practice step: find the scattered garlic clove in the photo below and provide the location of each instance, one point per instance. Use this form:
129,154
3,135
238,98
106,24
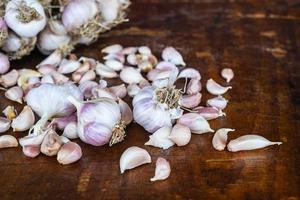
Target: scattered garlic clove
53,59
133,89
219,140
160,138
62,122
98,92
227,74
76,76
4,124
25,75
119,90
70,130
4,63
46,69
170,54
217,102
190,101
249,142
195,122
59,78
69,153
144,50
189,73
64,139
129,50
86,88
126,112
32,140
164,65
115,48
10,79
132,59
133,157
209,113
47,79
24,121
131,75
180,135
15,94
162,169
215,88
51,144
87,63
114,65
88,76
194,86
85,66
7,141
68,66
103,83
161,74
10,112
31,151
117,56
105,72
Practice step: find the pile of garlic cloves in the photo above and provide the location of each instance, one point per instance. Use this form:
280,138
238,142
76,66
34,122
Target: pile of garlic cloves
73,99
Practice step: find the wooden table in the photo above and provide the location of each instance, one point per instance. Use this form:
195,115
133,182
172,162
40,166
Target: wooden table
260,41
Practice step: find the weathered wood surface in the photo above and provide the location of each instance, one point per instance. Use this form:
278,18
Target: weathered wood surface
260,40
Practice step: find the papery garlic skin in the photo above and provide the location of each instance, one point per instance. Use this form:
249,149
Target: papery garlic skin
162,169
3,31
180,135
133,157
4,63
51,144
7,141
4,124
219,140
24,121
249,142
25,29
215,88
195,122
69,153
160,138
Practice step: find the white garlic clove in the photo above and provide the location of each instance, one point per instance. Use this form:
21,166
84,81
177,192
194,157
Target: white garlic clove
31,151
46,69
133,157
144,50
115,48
86,88
170,54
51,144
117,56
144,83
164,65
190,101
114,65
59,78
10,112
10,79
133,89
217,102
54,59
162,169
129,50
249,142
105,72
68,66
4,63
180,135
219,140
69,153
64,139
209,113
131,75
98,92
119,90
227,74
70,130
160,138
88,76
4,124
84,67
126,112
132,59
15,94
7,141
195,122
24,121
194,86
215,88
189,73
161,74
32,140
47,79
103,83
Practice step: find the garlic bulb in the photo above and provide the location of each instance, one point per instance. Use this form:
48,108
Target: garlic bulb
4,63
215,88
24,121
195,122
162,169
160,138
25,17
180,135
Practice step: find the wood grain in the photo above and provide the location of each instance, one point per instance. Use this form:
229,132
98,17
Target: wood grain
260,41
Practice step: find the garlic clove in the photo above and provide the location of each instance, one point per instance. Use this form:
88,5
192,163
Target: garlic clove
170,54
195,122
164,65
47,79
144,50
62,122
160,138
227,74
10,112
190,101
98,92
7,141
24,121
194,86
115,48
31,151
15,94
144,83
84,67
89,62
46,69
103,83
69,153
162,169
59,78
4,63
131,75
215,88
249,142
129,50
32,140
161,83
209,113
217,102
86,88
51,144
70,131
64,139
180,135
133,157
76,76
96,134
105,72
126,112
119,90
219,140
117,56
54,59
88,76
10,79
68,66
145,66
189,73
114,65
133,89
4,124
132,59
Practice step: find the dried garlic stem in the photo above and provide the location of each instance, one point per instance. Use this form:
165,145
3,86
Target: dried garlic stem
118,133
26,13
169,96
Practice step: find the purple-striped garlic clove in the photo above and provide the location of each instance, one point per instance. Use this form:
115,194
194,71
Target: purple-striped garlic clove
219,140
70,131
24,121
62,122
7,141
196,123
164,65
119,90
180,135
194,86
131,75
162,169
98,92
190,73
4,124
51,144
69,153
170,54
227,74
126,112
115,56
15,94
215,88
53,59
86,88
96,134
209,113
10,79
190,101
59,78
217,102
31,151
88,76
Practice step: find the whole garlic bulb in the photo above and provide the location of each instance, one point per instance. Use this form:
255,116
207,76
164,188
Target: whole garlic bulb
25,17
109,10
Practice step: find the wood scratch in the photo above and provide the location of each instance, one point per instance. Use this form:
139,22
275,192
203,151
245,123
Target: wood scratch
268,34
136,31
203,54
277,52
84,180
260,15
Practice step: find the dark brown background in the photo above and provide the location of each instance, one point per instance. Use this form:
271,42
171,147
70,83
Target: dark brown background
260,40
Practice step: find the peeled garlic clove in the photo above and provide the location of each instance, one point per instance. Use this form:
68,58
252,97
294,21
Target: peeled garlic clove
15,94
216,89
31,151
194,86
68,66
132,59
209,113
133,157
69,153
219,140
119,90
7,141
162,169
88,76
70,131
9,79
10,112
180,135
189,73
164,65
170,54
115,48
114,65
195,122
227,74
160,138
24,121
190,101
133,89
4,124
47,79
131,75
59,78
46,69
126,112
144,50
217,102
129,50
51,144
105,72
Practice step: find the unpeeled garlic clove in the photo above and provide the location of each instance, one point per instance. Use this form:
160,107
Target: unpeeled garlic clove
180,135
69,153
160,138
115,48
119,90
24,121
88,76
68,66
164,65
47,79
144,50
59,78
219,140
46,69
190,73
215,88
53,59
86,88
190,101
217,102
170,54
31,151
227,74
114,65
15,94
194,86
70,131
131,75
249,142
51,144
133,157
132,59
4,124
133,89
126,112
32,140
98,92
116,56
9,79
162,169
105,72
196,123
129,50
84,67
64,139
209,113
7,141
